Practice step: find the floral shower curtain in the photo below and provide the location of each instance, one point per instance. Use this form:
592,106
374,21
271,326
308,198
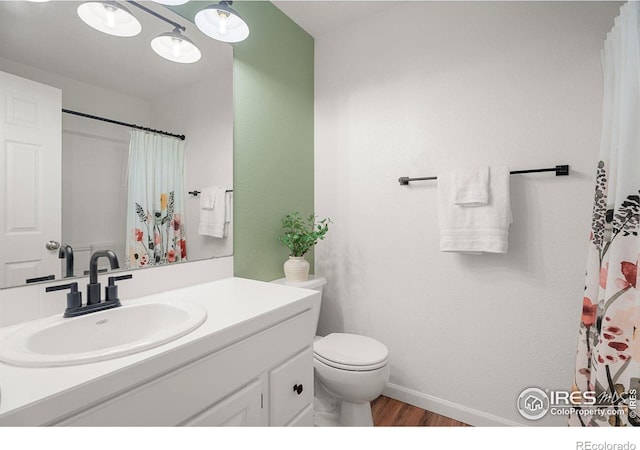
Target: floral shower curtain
608,360
155,227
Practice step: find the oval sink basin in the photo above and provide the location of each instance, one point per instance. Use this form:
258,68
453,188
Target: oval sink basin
56,341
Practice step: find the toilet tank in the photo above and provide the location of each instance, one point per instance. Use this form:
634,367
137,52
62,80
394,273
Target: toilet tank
314,282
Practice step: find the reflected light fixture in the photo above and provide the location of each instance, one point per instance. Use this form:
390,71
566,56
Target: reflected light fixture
221,22
110,18
176,47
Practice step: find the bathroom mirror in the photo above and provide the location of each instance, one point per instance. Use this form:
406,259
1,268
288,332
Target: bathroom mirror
121,79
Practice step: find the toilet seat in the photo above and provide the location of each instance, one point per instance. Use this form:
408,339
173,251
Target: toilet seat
351,352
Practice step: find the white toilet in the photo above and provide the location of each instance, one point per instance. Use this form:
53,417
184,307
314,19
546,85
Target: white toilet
352,369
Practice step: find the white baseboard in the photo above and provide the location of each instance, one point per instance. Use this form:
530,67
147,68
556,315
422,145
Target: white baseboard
446,408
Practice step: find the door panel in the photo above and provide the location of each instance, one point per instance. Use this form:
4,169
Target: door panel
30,187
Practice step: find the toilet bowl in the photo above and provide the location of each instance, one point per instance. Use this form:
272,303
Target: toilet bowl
351,368
355,369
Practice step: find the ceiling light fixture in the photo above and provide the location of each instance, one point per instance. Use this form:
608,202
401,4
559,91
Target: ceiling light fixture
173,45
176,47
109,17
221,22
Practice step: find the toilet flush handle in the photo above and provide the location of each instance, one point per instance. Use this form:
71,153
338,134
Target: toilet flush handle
297,388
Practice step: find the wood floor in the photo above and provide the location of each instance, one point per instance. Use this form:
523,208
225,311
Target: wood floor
388,412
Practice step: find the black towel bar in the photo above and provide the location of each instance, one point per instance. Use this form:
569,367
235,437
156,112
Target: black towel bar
559,170
196,193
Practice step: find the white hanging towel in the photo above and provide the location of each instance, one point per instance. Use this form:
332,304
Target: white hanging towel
471,186
208,197
213,212
477,229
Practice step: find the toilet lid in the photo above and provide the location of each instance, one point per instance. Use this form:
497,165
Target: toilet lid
351,351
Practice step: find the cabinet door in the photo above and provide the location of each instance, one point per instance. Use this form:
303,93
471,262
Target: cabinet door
304,419
242,408
291,387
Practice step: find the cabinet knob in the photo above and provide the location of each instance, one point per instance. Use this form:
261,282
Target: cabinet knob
298,388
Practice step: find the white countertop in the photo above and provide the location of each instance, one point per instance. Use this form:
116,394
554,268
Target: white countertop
236,308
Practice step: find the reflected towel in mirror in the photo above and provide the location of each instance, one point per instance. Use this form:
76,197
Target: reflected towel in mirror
213,214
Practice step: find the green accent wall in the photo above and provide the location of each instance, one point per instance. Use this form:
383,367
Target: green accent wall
272,133
273,136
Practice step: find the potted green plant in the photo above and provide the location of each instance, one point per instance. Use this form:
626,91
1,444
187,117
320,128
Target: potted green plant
300,236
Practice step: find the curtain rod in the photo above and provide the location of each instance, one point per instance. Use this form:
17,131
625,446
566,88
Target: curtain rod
559,170
130,125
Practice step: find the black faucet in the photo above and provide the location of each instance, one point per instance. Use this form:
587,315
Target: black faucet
94,302
66,252
93,288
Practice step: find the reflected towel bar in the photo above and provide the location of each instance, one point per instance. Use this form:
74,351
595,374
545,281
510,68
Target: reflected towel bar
559,170
196,193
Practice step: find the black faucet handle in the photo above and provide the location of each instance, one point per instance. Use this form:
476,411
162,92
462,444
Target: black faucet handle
61,287
111,291
74,298
112,280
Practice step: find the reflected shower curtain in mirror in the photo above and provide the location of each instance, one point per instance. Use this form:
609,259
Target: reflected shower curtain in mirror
608,359
155,210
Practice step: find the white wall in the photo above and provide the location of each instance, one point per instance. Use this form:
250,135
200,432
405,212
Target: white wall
94,188
203,112
85,97
426,87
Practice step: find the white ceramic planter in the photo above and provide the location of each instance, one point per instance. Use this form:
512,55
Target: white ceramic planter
296,268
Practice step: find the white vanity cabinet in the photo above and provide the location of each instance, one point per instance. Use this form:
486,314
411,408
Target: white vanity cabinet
285,393
264,379
249,363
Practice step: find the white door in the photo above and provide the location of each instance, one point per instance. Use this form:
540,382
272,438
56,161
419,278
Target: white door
30,174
